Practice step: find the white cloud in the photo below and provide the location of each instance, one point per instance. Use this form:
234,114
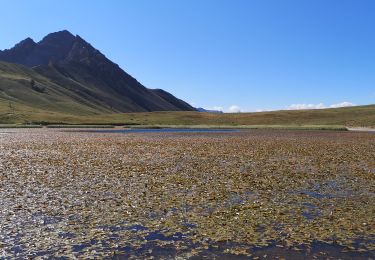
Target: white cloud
231,109
306,106
234,109
263,110
237,109
318,106
217,108
343,104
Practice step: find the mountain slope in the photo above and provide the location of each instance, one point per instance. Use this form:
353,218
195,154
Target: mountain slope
22,87
17,105
74,67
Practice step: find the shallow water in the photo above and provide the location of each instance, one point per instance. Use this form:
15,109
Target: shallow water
165,130
259,194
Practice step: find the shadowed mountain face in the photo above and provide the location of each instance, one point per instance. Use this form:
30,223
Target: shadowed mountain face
73,64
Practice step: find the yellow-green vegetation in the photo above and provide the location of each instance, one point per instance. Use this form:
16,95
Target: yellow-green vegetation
351,116
100,195
19,126
21,103
79,126
284,127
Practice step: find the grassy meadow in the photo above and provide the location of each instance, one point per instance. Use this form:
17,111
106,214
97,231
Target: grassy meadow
360,116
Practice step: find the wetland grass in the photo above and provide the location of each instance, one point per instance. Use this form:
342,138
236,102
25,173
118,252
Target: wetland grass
250,193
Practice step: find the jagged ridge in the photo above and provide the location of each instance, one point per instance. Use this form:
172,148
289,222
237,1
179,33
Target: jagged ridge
73,64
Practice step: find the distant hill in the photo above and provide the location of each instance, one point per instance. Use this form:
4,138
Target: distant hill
60,109
345,116
201,109
64,74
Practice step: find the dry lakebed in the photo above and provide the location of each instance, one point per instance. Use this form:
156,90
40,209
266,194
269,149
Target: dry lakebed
283,194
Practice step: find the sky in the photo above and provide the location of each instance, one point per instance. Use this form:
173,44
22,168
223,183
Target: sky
232,55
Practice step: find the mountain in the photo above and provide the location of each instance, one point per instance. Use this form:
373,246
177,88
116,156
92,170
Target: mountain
203,110
64,70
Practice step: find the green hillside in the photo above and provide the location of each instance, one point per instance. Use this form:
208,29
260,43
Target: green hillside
24,92
349,116
46,93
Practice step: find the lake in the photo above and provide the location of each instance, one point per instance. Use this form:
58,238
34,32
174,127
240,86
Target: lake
165,130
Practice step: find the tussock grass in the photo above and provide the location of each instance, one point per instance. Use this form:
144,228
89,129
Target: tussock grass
19,126
286,127
80,126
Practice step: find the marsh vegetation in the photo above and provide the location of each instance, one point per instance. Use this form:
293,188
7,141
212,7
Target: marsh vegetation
256,192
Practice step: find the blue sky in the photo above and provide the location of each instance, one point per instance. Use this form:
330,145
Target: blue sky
251,54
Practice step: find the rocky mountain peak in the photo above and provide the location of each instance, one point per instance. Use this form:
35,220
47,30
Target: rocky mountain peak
57,47
61,57
60,35
27,43
61,38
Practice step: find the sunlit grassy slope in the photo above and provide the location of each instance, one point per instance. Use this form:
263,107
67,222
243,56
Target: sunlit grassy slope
353,116
20,102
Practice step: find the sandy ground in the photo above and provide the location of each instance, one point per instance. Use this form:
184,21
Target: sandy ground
361,129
